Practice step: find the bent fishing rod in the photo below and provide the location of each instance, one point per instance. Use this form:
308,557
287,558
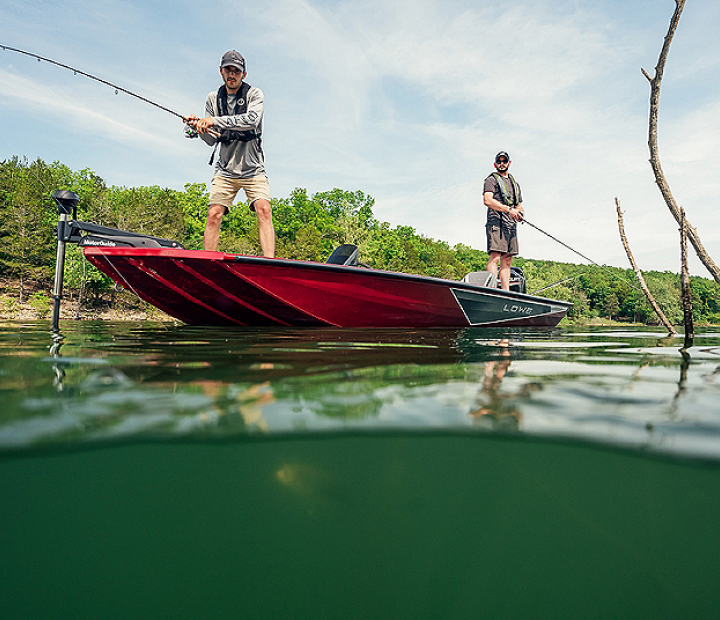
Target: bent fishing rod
93,77
117,88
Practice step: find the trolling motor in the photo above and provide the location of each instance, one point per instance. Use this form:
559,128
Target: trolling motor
86,234
67,204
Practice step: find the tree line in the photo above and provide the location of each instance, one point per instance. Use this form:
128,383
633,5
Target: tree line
308,227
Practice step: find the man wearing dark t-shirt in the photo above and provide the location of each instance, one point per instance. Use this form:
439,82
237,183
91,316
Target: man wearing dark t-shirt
503,198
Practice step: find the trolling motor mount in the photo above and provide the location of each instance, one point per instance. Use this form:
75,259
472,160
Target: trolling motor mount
86,234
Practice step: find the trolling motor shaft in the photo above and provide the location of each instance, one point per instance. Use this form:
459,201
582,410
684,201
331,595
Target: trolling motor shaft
67,203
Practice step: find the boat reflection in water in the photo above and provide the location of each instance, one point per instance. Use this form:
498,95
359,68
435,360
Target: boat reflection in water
275,380
232,381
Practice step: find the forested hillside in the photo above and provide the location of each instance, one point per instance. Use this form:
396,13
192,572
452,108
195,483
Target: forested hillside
307,227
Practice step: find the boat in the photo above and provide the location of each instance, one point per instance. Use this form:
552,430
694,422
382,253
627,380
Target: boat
220,288
217,288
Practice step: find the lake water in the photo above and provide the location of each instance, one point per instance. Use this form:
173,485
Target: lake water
149,470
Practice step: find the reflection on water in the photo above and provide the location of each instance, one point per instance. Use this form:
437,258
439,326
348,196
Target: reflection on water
156,471
101,382
498,409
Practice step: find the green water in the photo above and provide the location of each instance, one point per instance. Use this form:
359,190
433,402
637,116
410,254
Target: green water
162,472
415,527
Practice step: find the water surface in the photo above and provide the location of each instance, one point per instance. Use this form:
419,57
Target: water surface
154,470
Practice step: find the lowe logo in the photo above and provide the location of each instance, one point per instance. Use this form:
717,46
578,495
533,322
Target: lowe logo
516,309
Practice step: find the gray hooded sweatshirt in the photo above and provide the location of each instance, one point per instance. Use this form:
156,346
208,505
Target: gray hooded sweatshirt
237,159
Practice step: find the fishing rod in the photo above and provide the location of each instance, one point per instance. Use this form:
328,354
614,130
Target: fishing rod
582,255
524,221
93,77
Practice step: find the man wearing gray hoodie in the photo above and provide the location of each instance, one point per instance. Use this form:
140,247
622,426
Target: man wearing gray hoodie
233,127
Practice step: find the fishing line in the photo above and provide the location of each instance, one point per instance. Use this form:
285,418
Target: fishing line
93,77
559,282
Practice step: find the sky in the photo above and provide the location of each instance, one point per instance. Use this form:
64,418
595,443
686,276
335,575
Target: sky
406,100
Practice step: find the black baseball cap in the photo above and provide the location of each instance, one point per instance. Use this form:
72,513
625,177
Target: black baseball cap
502,154
233,59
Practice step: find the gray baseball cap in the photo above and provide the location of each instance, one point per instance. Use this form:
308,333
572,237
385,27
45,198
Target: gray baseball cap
233,59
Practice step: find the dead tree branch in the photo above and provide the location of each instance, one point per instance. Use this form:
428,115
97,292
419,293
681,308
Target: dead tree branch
660,180
641,280
685,284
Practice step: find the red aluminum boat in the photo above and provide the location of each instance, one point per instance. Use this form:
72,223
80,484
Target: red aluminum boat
216,288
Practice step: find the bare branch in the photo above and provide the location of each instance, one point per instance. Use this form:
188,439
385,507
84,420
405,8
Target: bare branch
661,315
685,284
660,180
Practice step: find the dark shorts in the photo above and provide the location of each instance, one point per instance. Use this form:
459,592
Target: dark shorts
502,239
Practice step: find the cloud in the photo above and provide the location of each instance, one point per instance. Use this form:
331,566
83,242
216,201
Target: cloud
66,105
407,101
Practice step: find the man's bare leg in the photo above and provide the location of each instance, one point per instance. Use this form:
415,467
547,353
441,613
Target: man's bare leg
266,230
215,216
505,262
493,262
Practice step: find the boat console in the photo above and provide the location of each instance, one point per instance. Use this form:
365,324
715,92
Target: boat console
345,254
489,279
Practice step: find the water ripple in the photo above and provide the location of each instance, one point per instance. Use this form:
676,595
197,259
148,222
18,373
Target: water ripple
635,389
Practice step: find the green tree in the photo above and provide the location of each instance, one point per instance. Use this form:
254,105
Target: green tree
470,259
194,204
308,228
147,210
28,219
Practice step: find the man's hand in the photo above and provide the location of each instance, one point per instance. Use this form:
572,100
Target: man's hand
203,125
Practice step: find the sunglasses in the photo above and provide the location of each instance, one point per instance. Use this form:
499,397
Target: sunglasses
502,161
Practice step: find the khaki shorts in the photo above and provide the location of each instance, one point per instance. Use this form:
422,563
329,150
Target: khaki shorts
501,239
223,190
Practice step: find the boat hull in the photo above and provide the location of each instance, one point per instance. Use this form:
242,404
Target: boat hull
215,288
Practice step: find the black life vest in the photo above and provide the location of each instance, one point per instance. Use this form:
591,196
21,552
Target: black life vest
240,107
507,199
